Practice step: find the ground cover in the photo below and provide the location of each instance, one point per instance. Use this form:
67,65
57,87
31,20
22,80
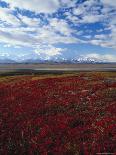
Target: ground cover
71,114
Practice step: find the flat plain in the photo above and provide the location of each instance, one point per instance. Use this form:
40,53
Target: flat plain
57,112
60,67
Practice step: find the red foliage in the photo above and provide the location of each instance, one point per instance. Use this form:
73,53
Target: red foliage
61,116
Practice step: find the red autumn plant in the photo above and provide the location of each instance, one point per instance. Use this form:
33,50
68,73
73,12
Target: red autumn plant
67,115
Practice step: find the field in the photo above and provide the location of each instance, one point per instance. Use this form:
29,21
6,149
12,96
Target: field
58,114
5,68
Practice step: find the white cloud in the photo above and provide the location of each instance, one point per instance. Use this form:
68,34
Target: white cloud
33,37
88,36
109,2
48,35
68,3
61,26
38,6
78,11
101,57
16,38
88,11
7,17
32,22
32,31
92,18
101,36
105,40
48,51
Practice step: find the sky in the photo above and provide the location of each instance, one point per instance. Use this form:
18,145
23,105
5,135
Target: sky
58,29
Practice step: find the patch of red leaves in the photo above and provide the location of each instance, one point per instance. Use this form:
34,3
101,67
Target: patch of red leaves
58,116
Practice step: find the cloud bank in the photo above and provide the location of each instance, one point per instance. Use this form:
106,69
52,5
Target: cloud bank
41,25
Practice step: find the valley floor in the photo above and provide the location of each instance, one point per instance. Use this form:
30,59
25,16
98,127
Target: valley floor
71,113
56,67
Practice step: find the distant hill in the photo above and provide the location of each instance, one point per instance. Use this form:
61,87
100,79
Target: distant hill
3,61
56,61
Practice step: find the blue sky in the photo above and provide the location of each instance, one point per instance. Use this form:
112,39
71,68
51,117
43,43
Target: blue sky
52,29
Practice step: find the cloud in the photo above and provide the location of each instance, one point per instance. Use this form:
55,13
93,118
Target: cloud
49,35
101,36
78,11
57,21
16,38
30,22
92,18
61,26
7,17
105,40
101,57
109,2
48,51
38,6
68,3
34,36
92,12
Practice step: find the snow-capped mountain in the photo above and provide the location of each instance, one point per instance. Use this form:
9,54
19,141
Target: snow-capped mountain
78,59
7,61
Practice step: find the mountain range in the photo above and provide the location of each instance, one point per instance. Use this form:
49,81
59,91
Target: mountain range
57,60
